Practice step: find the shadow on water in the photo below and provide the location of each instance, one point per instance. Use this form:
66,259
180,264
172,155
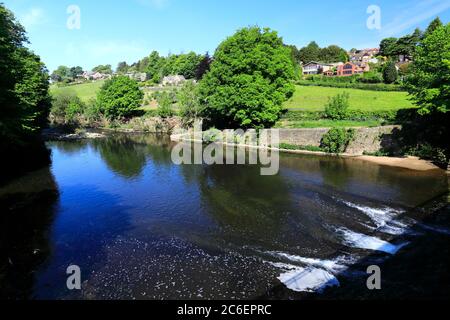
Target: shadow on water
27,208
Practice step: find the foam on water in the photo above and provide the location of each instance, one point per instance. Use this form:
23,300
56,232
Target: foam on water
362,241
383,218
307,279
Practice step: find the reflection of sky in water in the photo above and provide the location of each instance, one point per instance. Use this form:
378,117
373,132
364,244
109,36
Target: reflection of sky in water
141,227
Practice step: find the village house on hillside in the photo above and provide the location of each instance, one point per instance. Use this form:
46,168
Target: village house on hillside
138,76
349,69
174,80
313,67
92,75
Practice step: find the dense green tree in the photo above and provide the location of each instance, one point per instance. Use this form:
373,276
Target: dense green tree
333,53
429,80
309,53
203,67
189,102
62,73
435,24
122,67
106,69
24,97
119,97
388,47
74,72
249,80
390,73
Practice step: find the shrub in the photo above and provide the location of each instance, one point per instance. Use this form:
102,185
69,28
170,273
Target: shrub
390,73
429,152
288,146
336,140
337,107
119,97
165,103
350,85
67,106
189,103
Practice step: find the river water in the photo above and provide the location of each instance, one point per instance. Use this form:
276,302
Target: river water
141,227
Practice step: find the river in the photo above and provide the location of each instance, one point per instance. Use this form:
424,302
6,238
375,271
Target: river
141,227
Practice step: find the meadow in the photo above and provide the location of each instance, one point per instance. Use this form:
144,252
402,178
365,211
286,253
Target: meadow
311,98
85,91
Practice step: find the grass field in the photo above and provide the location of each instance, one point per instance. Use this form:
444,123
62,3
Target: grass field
312,98
85,91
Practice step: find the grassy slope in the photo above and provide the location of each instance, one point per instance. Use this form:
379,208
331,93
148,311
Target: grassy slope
315,98
85,91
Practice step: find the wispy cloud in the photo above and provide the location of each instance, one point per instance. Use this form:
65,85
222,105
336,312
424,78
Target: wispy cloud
414,15
158,4
33,17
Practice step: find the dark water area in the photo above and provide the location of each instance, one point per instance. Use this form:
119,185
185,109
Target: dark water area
141,227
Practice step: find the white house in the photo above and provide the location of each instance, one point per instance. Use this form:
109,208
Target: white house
316,68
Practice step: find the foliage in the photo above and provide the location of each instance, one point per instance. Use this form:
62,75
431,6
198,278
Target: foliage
429,80
287,146
435,24
189,103
203,67
390,73
429,152
119,97
24,97
351,85
106,69
312,52
165,104
122,67
66,105
337,107
249,80
337,139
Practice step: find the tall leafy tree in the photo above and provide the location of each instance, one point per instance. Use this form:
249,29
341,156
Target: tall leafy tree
388,47
309,53
119,97
429,82
390,73
203,67
249,80
435,24
24,98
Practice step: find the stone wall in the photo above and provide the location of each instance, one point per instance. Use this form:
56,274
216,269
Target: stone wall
366,139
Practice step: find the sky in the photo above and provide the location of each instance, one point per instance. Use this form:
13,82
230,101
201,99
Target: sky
111,31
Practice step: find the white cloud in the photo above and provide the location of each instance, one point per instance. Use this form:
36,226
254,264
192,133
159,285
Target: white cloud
33,17
413,16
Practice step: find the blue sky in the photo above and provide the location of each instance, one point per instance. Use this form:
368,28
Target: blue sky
127,30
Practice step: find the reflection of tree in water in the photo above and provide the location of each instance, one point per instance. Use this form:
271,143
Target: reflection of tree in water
122,155
69,147
241,200
27,207
127,155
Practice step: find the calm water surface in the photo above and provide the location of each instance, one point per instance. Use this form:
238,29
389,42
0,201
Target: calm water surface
141,227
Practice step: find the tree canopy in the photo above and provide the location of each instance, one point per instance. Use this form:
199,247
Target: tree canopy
249,80
429,82
119,97
24,83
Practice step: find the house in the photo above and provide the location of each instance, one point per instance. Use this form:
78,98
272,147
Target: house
91,75
138,76
364,56
313,67
174,80
349,69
